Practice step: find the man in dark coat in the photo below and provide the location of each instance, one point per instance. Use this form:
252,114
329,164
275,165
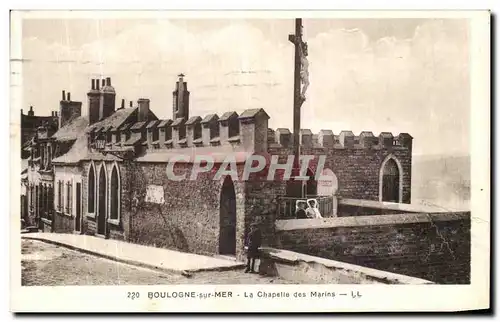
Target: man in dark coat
253,242
300,213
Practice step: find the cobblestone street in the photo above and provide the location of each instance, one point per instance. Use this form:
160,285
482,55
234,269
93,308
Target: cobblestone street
49,265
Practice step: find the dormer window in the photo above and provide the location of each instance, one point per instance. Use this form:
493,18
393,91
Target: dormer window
168,133
197,131
194,126
214,130
156,134
234,127
182,132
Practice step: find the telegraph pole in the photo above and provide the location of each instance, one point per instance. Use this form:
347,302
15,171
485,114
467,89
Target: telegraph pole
295,187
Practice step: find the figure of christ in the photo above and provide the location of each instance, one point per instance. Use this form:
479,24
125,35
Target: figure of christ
304,69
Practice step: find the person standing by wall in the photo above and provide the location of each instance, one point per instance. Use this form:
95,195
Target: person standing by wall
300,212
252,244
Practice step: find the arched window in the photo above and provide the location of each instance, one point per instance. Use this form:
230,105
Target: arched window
390,181
91,190
102,214
115,195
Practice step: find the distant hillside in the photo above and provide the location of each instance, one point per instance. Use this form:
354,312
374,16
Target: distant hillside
441,180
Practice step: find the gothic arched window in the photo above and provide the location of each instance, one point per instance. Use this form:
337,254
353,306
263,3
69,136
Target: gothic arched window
91,190
115,195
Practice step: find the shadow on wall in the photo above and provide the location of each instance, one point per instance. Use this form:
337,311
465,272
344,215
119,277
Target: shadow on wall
162,234
174,234
150,222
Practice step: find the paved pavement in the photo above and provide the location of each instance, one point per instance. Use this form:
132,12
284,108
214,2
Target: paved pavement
144,256
45,264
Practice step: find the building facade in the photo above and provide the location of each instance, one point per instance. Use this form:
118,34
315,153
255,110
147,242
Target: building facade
113,180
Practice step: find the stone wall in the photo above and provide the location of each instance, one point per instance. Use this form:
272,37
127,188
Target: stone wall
434,247
188,218
357,169
63,223
306,269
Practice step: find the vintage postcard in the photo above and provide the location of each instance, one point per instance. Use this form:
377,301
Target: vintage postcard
274,161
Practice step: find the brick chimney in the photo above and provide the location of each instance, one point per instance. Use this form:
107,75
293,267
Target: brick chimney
123,104
107,99
180,108
143,109
93,102
68,110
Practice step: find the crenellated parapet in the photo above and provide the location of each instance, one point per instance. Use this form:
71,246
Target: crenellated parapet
247,131
282,137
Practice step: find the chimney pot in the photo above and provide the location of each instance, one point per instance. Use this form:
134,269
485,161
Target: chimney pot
103,83
69,96
22,111
108,81
123,103
93,84
63,95
97,84
31,108
130,103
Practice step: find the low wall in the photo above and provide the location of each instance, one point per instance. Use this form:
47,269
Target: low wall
434,247
46,225
63,223
358,207
301,268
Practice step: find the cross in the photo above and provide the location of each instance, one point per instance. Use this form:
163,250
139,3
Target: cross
295,188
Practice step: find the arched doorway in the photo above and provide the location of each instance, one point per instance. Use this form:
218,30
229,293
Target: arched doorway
227,221
390,181
101,214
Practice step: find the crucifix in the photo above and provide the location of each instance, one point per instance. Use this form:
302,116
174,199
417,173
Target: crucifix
300,75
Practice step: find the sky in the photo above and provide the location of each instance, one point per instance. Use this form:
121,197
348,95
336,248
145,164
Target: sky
379,75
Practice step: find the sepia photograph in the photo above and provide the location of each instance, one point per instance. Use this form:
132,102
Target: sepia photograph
159,150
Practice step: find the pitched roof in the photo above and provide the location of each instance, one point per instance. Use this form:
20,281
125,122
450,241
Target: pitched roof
72,130
193,120
209,118
164,123
228,115
138,125
152,124
253,113
79,149
178,121
115,119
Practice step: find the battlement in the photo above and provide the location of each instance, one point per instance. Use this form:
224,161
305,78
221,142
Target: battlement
244,132
231,131
283,138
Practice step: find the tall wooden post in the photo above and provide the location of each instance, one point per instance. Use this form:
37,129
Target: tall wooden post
294,188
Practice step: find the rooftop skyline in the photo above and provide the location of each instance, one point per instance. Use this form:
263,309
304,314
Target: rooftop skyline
394,75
